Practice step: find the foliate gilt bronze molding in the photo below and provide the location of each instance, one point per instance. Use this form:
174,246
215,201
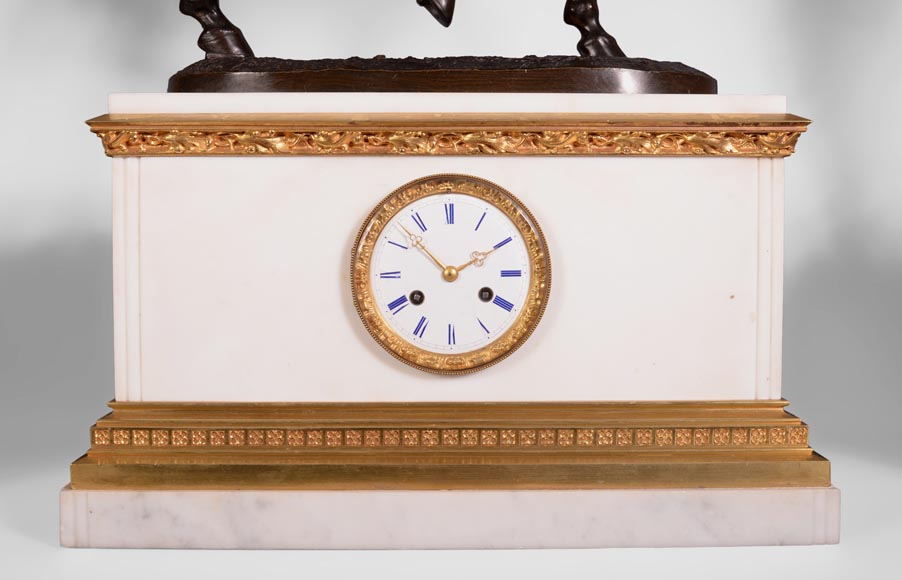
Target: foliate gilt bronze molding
493,135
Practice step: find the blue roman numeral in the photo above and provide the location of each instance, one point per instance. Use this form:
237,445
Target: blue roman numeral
483,326
452,335
511,273
480,222
397,244
421,327
390,275
419,221
449,214
499,301
398,305
503,243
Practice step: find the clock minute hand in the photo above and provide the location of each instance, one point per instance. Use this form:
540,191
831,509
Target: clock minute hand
417,241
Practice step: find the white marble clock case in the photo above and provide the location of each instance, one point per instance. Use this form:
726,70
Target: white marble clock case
231,284
231,274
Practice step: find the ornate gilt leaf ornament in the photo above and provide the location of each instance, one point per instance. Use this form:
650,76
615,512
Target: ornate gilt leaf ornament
555,136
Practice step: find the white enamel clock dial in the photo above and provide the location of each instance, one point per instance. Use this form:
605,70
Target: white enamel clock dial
450,274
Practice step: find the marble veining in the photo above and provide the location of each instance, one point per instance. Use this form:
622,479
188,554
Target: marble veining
448,519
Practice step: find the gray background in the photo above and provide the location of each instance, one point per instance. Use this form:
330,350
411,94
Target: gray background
839,63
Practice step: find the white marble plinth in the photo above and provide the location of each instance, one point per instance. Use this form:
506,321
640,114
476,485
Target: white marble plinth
448,519
441,103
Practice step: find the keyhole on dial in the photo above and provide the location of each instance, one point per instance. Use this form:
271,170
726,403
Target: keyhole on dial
417,297
486,294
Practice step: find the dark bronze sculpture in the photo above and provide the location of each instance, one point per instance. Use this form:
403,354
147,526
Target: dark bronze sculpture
443,10
220,38
595,41
583,14
602,67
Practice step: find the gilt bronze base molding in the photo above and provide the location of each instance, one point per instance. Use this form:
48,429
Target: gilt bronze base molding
449,446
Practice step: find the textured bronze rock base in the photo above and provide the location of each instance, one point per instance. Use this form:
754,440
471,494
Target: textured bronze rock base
549,74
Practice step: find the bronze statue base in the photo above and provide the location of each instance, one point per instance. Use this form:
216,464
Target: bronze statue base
531,74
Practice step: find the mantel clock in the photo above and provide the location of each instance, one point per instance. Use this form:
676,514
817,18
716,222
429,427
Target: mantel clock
335,324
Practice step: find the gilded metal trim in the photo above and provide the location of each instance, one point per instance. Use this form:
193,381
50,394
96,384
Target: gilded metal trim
555,427
455,134
648,438
623,471
536,296
449,446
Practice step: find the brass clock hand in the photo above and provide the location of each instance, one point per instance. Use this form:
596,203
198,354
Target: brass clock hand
478,259
417,241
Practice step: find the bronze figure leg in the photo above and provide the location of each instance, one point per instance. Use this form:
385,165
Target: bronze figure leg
220,37
442,10
595,41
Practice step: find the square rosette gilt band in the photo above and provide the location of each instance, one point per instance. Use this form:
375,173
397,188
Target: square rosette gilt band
449,446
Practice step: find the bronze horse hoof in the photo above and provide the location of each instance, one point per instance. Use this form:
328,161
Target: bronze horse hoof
442,10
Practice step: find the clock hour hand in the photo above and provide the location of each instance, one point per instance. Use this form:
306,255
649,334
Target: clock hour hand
417,241
478,259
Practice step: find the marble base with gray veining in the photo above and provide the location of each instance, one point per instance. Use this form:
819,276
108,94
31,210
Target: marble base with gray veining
448,519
